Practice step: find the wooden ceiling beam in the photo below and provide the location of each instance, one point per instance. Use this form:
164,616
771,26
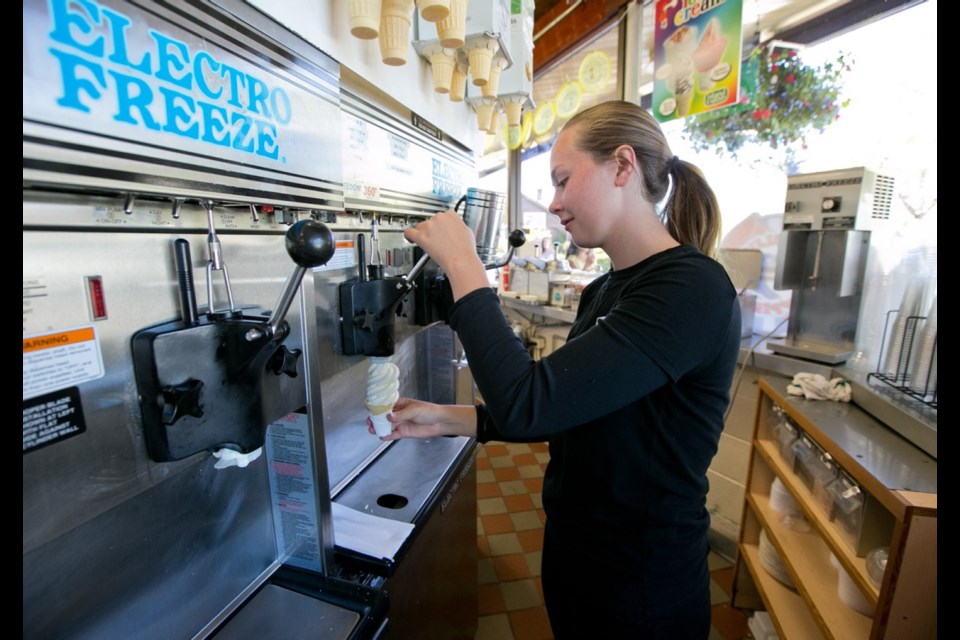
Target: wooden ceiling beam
557,34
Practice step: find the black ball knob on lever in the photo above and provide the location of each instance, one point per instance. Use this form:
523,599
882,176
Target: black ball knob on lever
310,244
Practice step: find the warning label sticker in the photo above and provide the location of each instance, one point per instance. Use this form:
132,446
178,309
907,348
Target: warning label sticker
58,360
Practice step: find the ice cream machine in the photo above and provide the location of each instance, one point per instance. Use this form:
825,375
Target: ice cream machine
822,257
192,420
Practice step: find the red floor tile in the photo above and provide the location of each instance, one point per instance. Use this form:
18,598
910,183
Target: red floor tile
490,599
730,623
488,490
500,523
530,624
506,473
518,503
495,450
512,567
483,464
533,485
539,447
531,540
524,459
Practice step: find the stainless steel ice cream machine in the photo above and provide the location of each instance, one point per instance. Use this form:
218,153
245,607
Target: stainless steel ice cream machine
196,461
822,257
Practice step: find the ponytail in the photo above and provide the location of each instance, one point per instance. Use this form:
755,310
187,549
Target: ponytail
692,213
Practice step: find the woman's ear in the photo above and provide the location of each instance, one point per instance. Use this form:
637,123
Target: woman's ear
626,165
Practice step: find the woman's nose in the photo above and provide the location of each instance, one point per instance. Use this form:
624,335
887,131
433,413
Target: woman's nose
555,205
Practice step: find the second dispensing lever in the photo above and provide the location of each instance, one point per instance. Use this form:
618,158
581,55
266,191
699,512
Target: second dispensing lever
516,239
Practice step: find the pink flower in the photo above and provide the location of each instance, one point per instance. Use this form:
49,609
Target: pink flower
790,78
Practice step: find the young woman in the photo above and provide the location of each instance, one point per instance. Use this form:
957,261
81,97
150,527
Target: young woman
633,404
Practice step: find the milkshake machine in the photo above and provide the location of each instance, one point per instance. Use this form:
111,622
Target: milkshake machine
822,258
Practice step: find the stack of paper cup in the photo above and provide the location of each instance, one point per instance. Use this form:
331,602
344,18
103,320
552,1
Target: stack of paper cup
365,18
442,62
513,108
453,29
480,51
395,18
458,83
923,365
490,89
433,10
902,335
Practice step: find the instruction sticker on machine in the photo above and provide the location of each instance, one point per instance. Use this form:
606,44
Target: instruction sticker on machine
54,361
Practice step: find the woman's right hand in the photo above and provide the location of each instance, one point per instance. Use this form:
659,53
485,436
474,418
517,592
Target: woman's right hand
418,419
451,244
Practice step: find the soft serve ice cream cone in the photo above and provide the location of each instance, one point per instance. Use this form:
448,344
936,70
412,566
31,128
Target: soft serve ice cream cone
383,390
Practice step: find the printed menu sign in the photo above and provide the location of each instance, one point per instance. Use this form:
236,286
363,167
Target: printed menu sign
696,56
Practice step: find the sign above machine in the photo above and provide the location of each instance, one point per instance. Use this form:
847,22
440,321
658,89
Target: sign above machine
184,97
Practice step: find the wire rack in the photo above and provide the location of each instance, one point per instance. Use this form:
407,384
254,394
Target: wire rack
908,361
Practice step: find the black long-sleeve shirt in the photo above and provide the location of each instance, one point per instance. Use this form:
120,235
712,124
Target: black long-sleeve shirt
632,406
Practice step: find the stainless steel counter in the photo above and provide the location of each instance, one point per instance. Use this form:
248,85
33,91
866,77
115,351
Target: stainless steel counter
912,419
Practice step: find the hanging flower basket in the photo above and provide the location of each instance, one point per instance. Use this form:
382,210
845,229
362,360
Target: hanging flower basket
782,100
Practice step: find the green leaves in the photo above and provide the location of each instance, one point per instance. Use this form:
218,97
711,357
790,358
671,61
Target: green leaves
782,100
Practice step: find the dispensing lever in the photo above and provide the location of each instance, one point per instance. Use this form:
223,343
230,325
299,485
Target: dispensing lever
516,240
310,244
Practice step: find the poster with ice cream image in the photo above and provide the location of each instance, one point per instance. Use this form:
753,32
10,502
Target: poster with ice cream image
696,56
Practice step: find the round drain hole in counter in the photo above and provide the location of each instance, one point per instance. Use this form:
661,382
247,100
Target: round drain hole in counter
392,501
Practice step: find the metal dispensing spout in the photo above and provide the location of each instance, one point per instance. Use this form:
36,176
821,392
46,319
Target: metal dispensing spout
216,263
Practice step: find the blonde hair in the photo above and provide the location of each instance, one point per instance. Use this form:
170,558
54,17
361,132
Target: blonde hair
692,214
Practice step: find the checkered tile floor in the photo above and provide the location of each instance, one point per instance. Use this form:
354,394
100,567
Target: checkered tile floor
510,539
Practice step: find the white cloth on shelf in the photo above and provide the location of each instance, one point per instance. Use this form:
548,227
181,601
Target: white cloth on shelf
814,386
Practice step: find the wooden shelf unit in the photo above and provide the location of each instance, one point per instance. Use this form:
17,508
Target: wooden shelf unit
902,516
